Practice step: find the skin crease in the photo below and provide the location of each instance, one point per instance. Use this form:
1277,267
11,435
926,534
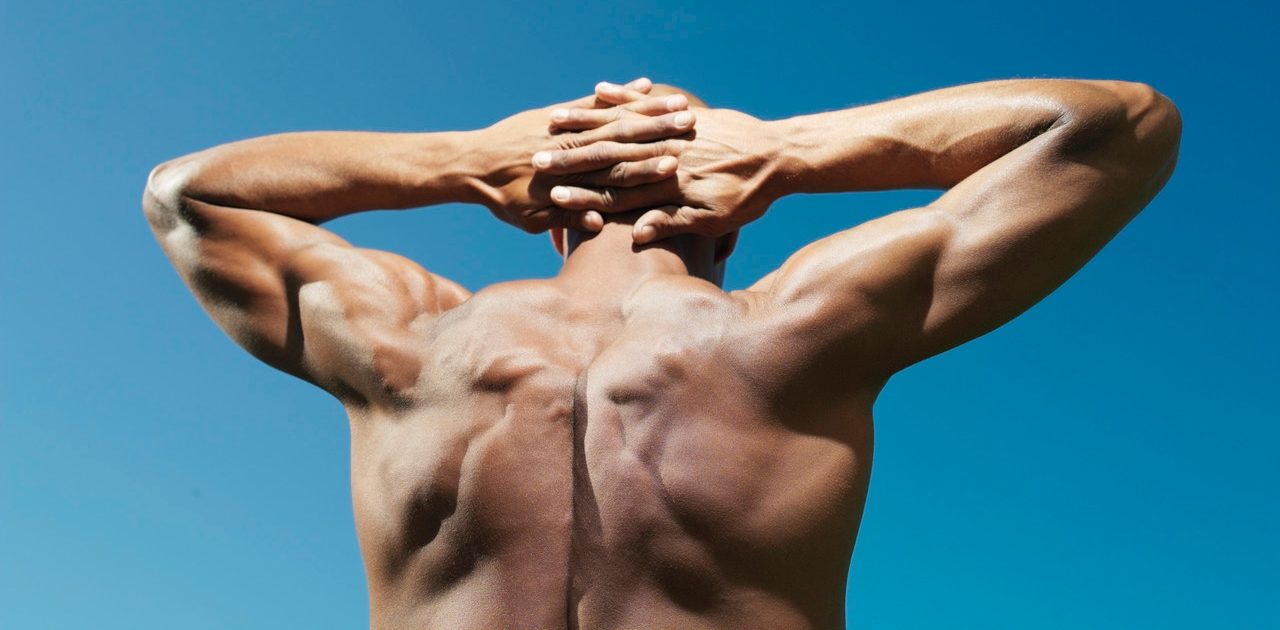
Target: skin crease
626,445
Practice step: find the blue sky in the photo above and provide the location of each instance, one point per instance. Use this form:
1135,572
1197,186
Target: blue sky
1106,461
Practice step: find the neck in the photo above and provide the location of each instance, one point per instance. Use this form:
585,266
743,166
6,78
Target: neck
609,260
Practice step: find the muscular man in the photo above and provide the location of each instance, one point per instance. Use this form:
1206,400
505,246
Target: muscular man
626,445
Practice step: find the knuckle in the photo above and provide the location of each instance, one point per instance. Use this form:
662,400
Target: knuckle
608,197
596,153
618,174
640,127
563,157
570,141
575,158
609,151
626,129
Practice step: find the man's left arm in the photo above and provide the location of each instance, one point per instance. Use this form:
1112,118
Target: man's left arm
240,222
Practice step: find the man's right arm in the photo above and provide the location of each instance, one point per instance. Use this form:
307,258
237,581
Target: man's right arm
1041,174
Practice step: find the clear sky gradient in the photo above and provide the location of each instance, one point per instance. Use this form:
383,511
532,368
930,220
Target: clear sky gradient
1106,461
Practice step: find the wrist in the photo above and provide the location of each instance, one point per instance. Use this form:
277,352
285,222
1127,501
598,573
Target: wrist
785,165
495,170
459,169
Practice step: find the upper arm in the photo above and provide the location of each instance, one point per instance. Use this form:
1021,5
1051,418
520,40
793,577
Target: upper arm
915,283
295,295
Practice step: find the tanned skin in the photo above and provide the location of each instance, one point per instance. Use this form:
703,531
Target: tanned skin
626,445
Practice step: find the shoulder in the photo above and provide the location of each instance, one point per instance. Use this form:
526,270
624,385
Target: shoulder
516,296
693,290
827,319
372,280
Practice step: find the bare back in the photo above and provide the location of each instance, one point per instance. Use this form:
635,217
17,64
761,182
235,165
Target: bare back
647,463
604,450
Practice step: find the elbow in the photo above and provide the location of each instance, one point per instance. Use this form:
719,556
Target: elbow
1151,117
1162,123
1155,126
163,194
1120,113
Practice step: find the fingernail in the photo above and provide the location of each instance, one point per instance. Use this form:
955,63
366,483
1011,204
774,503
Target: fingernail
606,87
646,234
667,164
542,159
560,114
684,119
643,82
560,193
593,220
676,102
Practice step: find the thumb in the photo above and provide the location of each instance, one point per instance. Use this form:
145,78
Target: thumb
615,94
588,221
642,84
664,222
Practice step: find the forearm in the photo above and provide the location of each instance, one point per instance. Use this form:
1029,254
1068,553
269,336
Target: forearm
930,140
317,176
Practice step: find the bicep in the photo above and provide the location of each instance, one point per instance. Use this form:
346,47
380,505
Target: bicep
294,295
907,286
857,296
913,284
1027,222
